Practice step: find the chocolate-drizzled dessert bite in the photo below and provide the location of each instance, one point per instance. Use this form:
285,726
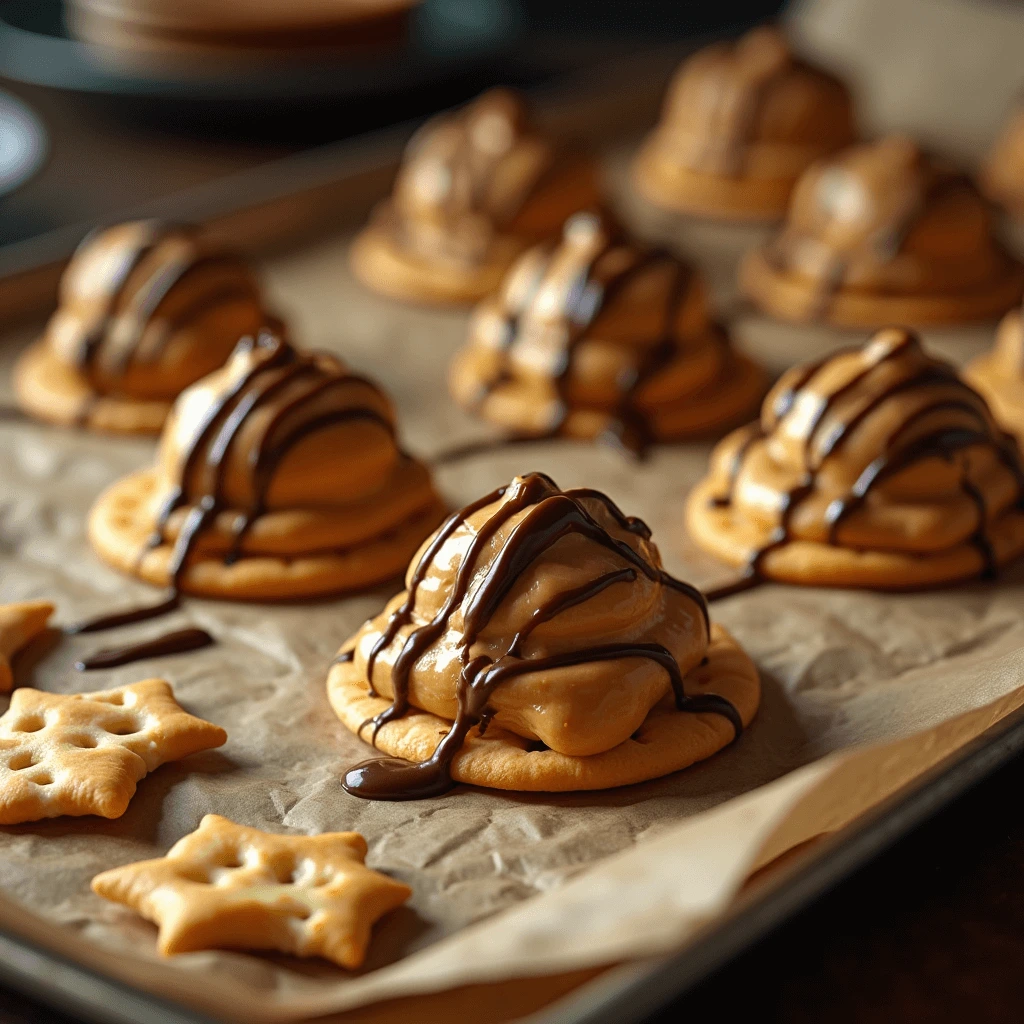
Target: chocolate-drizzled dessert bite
999,374
539,645
476,187
277,476
145,309
884,233
741,122
594,334
878,467
1002,174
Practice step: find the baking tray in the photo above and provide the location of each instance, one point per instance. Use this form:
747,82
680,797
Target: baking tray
284,201
625,994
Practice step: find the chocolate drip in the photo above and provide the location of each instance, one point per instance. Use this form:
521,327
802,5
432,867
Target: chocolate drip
178,642
126,618
550,514
893,456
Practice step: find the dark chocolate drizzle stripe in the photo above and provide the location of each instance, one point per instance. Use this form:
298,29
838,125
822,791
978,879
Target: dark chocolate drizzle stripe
592,289
178,642
548,514
891,460
277,365
100,348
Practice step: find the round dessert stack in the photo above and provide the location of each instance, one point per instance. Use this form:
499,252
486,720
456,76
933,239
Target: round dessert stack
277,476
595,334
145,310
476,187
878,467
741,122
884,233
539,645
999,375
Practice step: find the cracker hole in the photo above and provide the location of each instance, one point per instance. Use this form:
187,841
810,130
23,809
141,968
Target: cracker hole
125,728
42,779
112,698
30,723
86,741
20,761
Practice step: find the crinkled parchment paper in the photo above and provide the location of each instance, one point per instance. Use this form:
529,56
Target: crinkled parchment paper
504,885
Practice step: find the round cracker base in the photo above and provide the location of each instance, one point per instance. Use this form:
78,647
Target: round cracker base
51,391
120,524
813,564
789,298
385,269
690,193
668,741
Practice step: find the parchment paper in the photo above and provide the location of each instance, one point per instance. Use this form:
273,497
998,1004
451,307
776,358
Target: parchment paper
505,885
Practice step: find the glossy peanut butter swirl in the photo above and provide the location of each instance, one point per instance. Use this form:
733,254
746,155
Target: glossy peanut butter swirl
545,611
280,454
146,308
887,218
752,107
596,335
880,451
467,177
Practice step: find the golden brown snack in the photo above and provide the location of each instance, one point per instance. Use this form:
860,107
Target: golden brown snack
741,122
539,645
83,753
145,309
595,334
877,467
882,234
20,623
476,187
999,375
226,886
1002,175
278,476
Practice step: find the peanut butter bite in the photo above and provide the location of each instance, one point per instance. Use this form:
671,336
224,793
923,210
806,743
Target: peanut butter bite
476,187
878,467
999,375
539,645
145,310
741,122
884,233
277,476
596,335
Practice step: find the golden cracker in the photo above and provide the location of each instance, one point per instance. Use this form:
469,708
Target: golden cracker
84,753
226,886
51,391
20,623
121,522
668,741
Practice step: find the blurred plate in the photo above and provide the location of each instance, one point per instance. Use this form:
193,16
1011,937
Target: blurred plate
22,143
446,39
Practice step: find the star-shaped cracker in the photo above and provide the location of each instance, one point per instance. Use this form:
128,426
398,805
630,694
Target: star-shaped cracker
226,886
19,623
83,753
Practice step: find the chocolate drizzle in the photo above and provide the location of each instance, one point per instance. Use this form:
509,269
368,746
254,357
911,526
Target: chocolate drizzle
130,327
178,642
862,400
608,263
276,366
546,515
